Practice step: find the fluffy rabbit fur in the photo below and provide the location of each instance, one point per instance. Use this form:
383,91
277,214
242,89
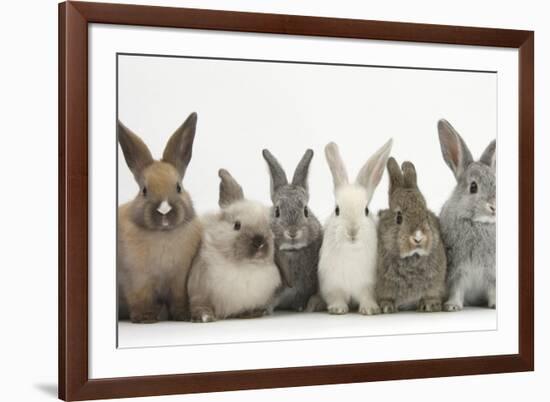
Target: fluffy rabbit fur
468,222
298,233
347,264
234,273
411,256
157,239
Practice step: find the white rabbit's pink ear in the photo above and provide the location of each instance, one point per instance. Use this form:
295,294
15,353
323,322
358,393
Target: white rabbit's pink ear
179,148
230,190
336,165
455,152
371,173
136,153
489,156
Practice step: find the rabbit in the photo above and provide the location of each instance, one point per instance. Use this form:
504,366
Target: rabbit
468,223
234,273
157,233
298,233
347,259
411,256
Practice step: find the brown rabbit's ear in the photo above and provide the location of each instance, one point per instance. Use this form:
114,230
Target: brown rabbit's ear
276,172
396,177
302,170
409,175
489,156
455,152
336,165
230,190
179,148
136,153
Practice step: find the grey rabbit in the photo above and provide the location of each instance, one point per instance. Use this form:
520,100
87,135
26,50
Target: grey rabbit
411,256
468,222
298,233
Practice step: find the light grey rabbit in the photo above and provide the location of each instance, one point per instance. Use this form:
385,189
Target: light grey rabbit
411,256
468,222
298,233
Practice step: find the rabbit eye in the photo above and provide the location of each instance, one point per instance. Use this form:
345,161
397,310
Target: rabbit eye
337,210
399,218
144,191
178,188
366,211
306,212
277,212
473,188
237,225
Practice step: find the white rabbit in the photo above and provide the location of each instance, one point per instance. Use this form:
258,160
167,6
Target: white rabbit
348,255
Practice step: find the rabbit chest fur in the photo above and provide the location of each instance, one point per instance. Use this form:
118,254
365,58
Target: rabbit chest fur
153,260
407,280
236,288
302,267
346,267
471,255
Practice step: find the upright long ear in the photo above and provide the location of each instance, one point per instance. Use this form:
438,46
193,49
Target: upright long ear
136,153
409,175
396,177
276,172
179,148
302,170
489,156
371,173
454,149
230,190
336,165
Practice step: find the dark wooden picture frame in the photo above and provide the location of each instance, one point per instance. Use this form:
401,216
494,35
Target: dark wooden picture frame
74,18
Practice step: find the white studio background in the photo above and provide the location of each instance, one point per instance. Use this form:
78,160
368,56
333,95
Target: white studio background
29,175
245,106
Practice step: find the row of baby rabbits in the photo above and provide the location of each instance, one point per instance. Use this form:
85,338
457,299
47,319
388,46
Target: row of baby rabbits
247,259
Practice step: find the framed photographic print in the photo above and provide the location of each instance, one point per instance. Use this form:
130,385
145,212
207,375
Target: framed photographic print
258,200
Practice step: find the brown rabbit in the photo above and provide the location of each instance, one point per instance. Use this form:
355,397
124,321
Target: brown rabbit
157,233
411,256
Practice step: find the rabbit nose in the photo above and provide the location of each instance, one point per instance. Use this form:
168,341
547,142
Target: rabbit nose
258,241
293,234
164,207
491,207
353,232
417,237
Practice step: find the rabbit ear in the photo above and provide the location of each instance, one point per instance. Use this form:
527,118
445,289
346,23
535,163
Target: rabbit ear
489,156
454,149
371,173
230,190
136,153
409,175
277,174
302,170
336,165
179,148
396,177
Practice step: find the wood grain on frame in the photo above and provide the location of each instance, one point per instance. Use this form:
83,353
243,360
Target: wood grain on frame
74,17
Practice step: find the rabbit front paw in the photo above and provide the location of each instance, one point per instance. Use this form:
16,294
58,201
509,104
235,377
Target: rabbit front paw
144,317
338,308
451,306
203,315
369,309
387,307
429,305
